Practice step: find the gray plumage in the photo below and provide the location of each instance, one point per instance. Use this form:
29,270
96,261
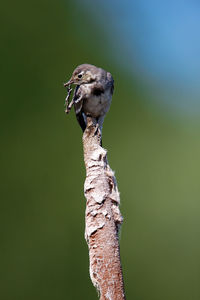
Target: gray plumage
92,95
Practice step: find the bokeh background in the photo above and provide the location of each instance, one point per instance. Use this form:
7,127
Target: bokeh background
152,134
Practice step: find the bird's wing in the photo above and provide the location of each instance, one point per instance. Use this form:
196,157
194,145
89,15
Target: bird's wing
110,82
78,103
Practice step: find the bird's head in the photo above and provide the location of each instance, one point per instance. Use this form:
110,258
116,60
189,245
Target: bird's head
83,74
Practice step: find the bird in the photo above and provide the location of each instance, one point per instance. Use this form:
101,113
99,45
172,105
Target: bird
92,95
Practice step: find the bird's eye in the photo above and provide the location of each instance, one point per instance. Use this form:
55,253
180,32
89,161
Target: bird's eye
80,75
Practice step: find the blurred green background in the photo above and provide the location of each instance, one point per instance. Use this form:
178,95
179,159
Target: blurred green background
153,147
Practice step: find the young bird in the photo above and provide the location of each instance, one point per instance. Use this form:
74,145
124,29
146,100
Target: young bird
93,94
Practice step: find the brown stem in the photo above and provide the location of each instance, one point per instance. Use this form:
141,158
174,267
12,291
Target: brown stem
103,217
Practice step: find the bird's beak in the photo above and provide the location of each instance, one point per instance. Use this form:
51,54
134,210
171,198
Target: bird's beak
68,83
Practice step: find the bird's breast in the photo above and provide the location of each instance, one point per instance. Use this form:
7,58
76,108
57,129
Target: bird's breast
97,105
